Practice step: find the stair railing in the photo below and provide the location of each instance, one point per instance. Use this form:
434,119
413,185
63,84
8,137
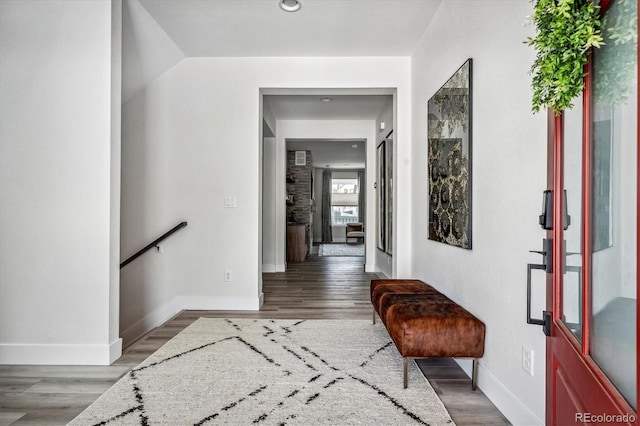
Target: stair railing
153,244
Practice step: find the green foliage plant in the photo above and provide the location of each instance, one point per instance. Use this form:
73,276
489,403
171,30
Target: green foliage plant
565,31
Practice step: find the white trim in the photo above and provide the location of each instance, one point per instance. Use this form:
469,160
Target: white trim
180,303
115,350
511,407
218,303
379,271
268,268
43,354
70,354
281,268
370,267
149,322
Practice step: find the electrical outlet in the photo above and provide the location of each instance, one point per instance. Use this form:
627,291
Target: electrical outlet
227,275
527,359
229,202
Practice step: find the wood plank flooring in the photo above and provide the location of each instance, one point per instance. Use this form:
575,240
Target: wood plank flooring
320,288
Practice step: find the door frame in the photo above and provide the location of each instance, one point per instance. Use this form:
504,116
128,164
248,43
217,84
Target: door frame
578,366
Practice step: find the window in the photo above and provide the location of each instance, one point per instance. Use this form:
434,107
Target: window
344,201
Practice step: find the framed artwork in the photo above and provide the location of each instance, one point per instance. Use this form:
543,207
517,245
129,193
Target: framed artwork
449,152
384,194
381,196
388,146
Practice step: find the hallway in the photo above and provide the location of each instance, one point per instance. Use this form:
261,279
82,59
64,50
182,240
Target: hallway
320,288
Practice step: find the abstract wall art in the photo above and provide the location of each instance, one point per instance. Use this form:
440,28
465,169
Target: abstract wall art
449,160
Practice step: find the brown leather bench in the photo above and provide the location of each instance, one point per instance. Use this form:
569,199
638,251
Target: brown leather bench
424,323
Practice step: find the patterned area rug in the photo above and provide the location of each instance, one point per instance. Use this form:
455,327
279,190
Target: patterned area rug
271,372
341,250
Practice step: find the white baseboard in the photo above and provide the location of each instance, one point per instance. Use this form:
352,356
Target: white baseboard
271,268
510,406
115,350
150,321
370,267
180,303
380,272
44,354
268,268
218,303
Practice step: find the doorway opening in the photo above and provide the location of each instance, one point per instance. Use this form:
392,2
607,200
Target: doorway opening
333,133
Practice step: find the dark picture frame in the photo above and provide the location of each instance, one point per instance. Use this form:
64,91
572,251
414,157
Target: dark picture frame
381,196
449,155
388,188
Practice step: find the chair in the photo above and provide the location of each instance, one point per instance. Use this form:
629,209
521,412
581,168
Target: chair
355,230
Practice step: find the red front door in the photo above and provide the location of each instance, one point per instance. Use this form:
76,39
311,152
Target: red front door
592,362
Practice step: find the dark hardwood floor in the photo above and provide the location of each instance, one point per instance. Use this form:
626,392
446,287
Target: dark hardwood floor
321,287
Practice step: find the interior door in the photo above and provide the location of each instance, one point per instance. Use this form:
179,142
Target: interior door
592,364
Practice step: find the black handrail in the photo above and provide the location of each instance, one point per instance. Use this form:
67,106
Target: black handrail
153,244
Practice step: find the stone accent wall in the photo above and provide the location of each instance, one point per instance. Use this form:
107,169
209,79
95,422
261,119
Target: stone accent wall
299,180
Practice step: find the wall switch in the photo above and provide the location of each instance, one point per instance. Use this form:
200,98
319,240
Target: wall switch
227,275
229,202
527,359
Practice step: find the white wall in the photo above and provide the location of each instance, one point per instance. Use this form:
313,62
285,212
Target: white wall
116,139
147,52
509,174
192,138
58,156
268,199
269,184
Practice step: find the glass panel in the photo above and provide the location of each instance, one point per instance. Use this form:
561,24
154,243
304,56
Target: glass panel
344,186
572,279
341,215
614,299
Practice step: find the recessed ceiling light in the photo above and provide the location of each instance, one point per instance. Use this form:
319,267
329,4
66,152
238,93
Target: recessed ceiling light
354,145
290,5
326,99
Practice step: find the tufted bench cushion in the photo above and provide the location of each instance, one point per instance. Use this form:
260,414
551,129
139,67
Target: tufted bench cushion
382,290
423,322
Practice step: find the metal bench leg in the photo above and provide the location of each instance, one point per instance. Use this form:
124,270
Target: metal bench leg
374,316
405,362
474,374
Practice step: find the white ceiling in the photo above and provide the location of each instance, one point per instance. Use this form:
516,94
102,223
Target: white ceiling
337,154
342,107
320,28
157,34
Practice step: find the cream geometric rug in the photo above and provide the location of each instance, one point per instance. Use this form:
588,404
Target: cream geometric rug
341,250
271,372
